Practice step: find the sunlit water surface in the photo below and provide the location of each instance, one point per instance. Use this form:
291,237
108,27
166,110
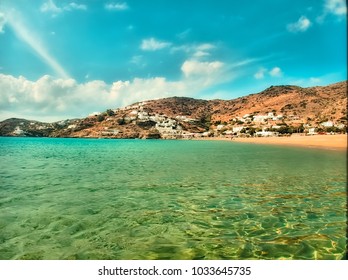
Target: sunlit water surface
153,199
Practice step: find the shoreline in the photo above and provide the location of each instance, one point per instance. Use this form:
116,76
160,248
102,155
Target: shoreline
331,142
328,142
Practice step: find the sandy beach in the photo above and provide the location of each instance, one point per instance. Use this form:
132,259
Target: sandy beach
334,142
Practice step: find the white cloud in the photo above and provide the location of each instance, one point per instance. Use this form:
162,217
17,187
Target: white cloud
74,6
195,50
2,22
153,44
203,50
54,99
50,7
196,68
276,72
301,25
260,74
201,54
117,6
336,7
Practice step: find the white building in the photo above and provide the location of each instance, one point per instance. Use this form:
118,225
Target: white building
18,131
237,129
266,133
260,118
220,126
311,131
327,124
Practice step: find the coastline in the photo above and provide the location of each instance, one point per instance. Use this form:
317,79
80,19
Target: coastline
329,142
332,142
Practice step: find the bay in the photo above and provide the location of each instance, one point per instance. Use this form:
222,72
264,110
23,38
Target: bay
169,199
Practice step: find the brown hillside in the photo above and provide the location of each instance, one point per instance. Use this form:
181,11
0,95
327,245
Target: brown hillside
176,117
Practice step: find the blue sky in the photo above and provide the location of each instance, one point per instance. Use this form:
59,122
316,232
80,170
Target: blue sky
65,59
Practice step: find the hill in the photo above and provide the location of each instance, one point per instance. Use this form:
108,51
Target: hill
281,109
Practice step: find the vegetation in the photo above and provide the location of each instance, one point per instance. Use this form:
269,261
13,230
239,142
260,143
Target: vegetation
110,112
100,118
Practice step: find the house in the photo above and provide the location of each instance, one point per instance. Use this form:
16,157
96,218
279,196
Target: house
340,126
311,131
143,115
278,117
327,124
220,126
266,133
206,134
260,118
228,132
237,129
18,131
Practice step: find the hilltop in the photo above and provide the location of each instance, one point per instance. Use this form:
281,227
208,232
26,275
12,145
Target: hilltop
277,109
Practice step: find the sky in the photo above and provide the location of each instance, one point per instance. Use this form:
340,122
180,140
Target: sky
63,59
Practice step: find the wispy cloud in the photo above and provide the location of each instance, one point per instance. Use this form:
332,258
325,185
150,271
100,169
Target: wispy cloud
195,50
50,7
184,34
23,32
203,50
274,72
73,6
2,22
138,60
153,44
301,25
117,6
260,74
336,7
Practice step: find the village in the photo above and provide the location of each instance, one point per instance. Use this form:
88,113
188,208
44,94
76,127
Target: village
249,125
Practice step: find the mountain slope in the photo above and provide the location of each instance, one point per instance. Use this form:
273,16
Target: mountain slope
175,117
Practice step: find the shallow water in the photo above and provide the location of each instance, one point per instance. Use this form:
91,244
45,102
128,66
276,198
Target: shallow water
153,199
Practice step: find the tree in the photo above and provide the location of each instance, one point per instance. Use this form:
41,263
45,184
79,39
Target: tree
110,112
121,121
100,118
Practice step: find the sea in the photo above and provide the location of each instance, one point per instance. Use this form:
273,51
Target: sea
103,199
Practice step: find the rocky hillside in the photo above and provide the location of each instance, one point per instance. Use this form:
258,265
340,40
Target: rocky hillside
273,109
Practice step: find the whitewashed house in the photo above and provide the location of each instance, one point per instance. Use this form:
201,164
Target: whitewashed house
311,131
327,124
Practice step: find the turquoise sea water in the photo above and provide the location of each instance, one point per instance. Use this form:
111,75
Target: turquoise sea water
155,199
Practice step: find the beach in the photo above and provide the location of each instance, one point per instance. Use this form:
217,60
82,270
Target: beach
336,142
332,142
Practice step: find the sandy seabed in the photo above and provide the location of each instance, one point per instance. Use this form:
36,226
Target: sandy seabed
335,142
